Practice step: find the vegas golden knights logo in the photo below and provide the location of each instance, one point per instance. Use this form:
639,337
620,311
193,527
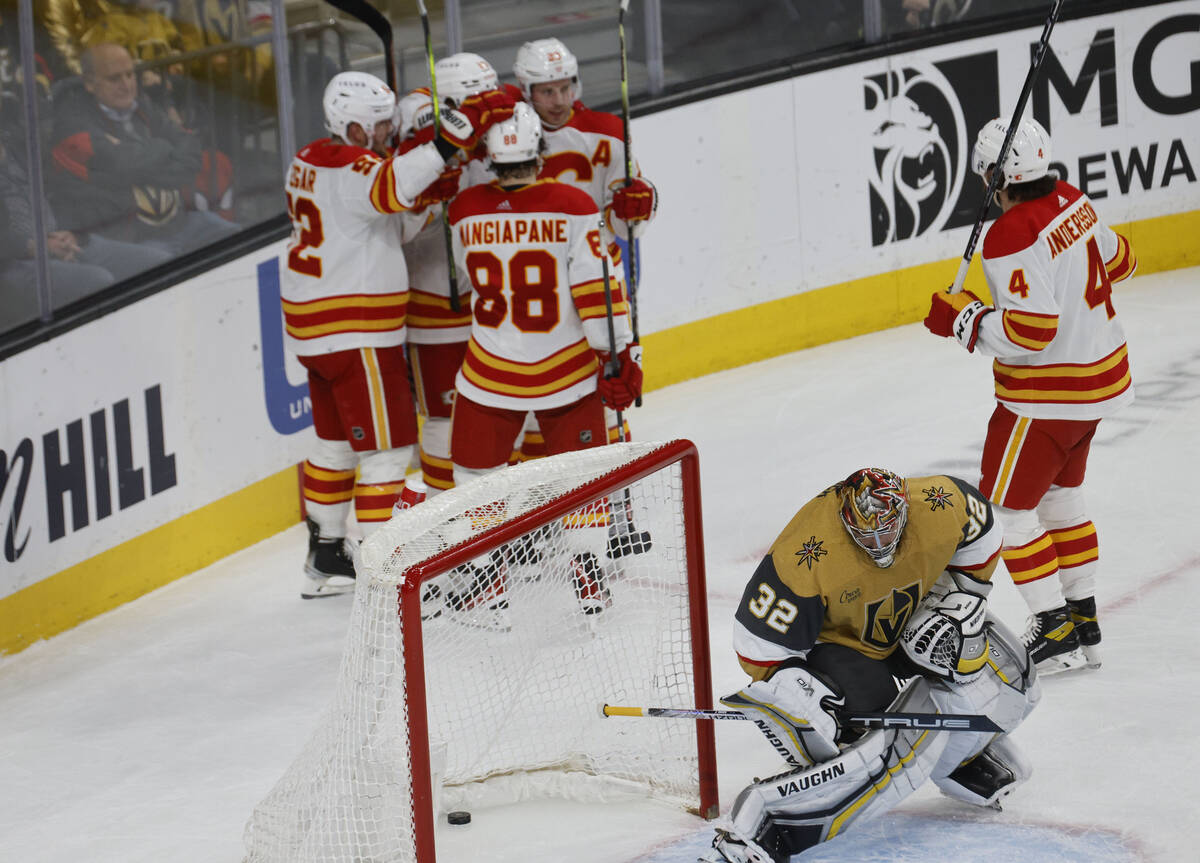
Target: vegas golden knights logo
887,617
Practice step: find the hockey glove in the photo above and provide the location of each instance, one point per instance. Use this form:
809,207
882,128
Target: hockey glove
619,387
443,188
946,634
794,711
636,202
480,111
957,315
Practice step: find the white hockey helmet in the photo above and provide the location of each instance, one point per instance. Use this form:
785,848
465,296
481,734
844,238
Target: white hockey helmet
356,97
1028,157
544,60
463,75
517,139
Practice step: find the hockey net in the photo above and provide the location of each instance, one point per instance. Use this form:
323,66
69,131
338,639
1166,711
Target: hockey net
490,625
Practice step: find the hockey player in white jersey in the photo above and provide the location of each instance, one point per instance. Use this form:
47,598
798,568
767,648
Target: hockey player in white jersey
437,332
540,342
1061,364
344,310
586,148
875,579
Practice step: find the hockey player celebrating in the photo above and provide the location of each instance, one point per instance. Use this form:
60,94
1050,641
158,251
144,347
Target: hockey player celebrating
540,338
344,310
437,333
872,564
1061,364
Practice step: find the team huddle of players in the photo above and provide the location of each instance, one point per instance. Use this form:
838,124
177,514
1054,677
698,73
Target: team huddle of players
460,264
874,596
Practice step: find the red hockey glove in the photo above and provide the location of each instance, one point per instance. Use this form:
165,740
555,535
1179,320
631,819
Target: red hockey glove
443,188
958,315
480,111
622,388
635,202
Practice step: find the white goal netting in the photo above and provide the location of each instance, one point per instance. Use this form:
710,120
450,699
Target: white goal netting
490,625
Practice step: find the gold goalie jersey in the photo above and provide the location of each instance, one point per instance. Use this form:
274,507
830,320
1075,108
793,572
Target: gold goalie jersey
817,585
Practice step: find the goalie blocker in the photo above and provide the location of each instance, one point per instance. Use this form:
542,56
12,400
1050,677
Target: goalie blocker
878,578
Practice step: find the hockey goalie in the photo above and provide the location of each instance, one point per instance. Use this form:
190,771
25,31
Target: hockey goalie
878,579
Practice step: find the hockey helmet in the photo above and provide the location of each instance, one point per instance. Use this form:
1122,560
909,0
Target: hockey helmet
873,504
462,75
544,60
517,139
1028,157
356,97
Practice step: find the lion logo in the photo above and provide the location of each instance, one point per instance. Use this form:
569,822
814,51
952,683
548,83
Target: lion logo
916,128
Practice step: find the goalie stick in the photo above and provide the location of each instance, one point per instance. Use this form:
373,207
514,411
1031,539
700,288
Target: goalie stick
452,271
1035,65
871,719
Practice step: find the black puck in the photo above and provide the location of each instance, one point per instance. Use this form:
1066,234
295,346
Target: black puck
459,817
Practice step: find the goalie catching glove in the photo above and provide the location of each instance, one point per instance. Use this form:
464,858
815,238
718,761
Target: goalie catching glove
794,710
946,635
619,387
958,315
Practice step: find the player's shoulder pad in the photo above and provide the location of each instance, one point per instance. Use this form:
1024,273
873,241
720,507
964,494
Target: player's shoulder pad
585,119
772,611
551,196
327,154
1020,227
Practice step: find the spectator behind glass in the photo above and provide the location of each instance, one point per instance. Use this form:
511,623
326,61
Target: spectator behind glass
80,264
122,167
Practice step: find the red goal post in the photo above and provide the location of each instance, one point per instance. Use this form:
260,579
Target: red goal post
515,613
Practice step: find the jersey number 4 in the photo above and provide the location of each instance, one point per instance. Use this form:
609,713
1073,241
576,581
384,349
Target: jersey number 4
1099,286
308,234
532,281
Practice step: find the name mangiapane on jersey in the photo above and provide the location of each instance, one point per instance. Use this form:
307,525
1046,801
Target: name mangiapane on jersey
513,230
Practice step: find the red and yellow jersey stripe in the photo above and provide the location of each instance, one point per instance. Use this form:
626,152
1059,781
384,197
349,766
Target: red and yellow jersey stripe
1123,263
428,311
1029,330
557,372
347,313
1071,383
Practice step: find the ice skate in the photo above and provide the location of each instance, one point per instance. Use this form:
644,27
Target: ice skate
329,567
589,580
1052,642
480,595
1083,615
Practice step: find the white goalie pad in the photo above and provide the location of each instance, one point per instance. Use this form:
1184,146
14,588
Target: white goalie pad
793,811
791,709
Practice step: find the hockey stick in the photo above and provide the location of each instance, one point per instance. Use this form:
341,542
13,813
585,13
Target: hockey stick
1035,65
451,270
633,253
614,362
379,24
927,721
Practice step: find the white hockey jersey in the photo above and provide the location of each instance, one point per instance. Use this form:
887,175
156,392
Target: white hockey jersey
535,259
431,320
1060,350
350,211
588,151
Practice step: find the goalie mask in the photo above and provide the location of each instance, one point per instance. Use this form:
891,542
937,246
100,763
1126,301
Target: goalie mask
1028,156
463,75
874,509
356,97
543,61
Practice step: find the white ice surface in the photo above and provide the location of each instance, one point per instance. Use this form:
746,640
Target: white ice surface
148,734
